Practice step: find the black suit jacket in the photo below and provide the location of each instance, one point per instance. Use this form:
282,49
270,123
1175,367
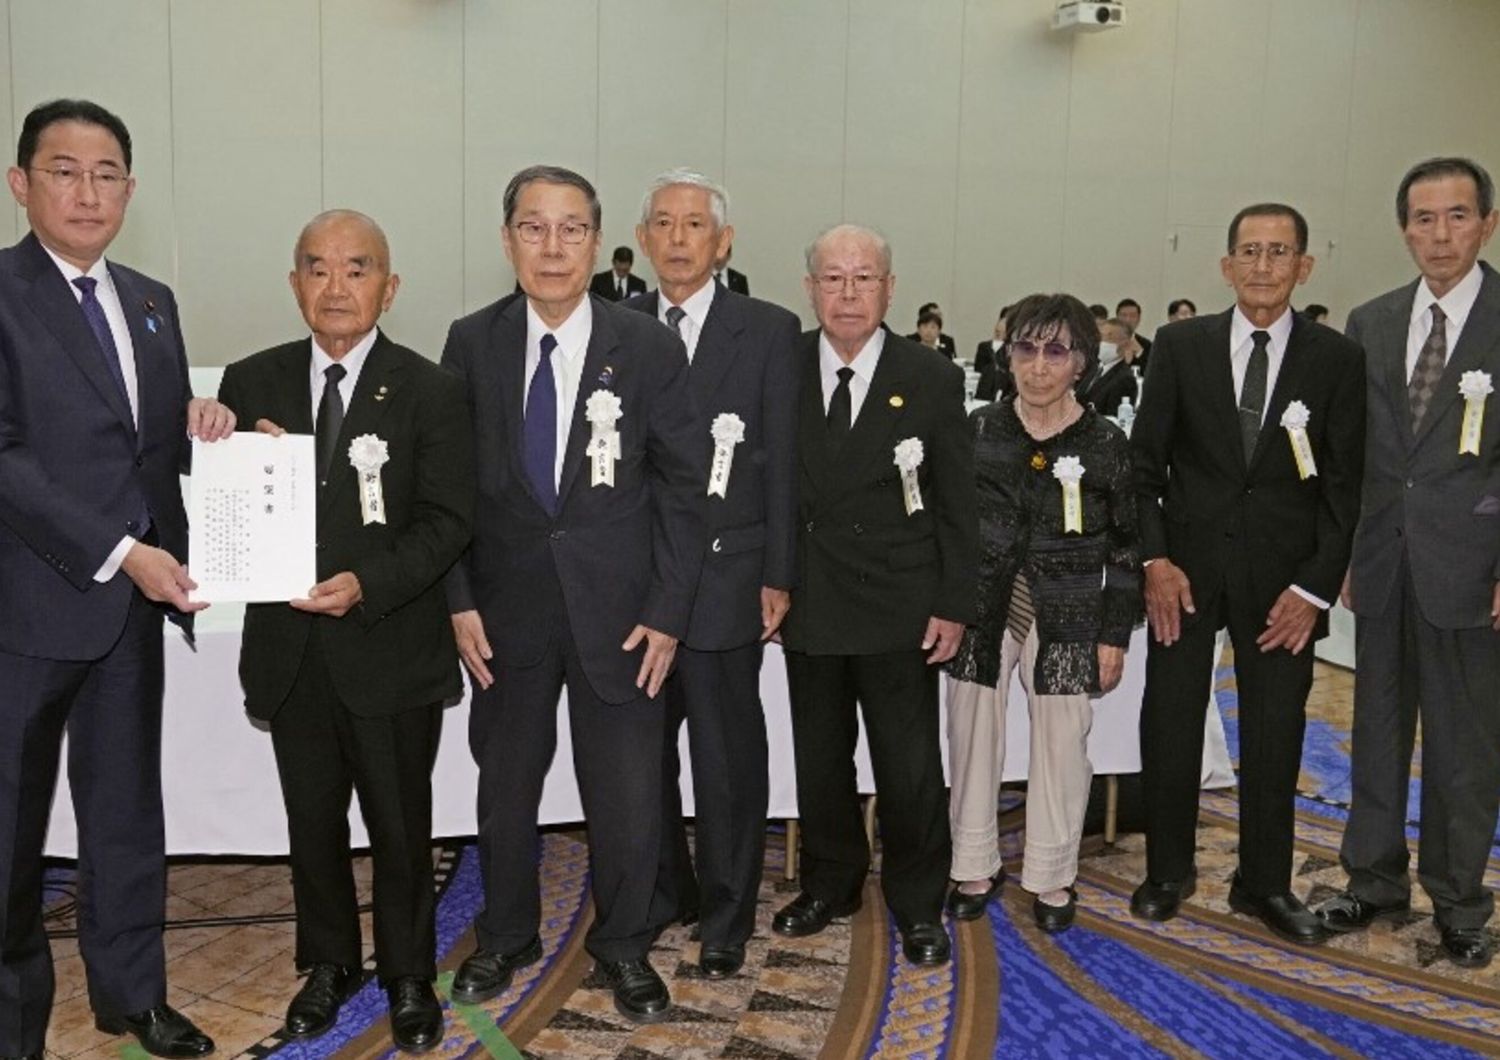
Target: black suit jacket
946,346
745,363
617,556
603,284
1204,506
994,372
1422,499
76,471
736,281
394,651
870,576
1109,388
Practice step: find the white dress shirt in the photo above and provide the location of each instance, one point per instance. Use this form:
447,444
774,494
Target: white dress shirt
572,337
829,363
353,362
114,313
695,306
1456,306
1241,343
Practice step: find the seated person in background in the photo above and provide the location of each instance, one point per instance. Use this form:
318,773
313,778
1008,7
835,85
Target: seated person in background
1057,599
930,332
1181,309
617,282
945,343
1318,314
992,364
1114,381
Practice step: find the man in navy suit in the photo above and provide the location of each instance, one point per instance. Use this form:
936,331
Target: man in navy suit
95,418
588,539
744,377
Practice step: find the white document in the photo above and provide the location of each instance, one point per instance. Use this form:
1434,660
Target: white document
253,518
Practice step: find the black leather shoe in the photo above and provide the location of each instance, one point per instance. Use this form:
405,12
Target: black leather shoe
926,944
1349,912
163,1031
1466,947
315,1009
1160,900
29,1056
416,1017
720,962
484,975
806,915
1284,914
640,995
1055,918
964,906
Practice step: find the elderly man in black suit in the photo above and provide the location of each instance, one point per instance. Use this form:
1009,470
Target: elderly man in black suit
1248,529
95,417
741,353
887,558
1424,584
588,541
352,679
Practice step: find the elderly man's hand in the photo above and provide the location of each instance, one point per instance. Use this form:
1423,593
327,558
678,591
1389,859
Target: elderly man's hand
333,597
1168,594
656,664
1290,623
942,637
159,577
774,604
209,421
1495,607
1111,666
473,646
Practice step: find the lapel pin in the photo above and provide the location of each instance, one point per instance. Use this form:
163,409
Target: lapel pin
380,394
607,377
150,307
897,401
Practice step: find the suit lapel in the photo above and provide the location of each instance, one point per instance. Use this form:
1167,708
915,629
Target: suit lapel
716,349
508,340
1218,382
870,438
294,376
1478,336
598,367
812,417
1387,348
57,307
379,381
143,341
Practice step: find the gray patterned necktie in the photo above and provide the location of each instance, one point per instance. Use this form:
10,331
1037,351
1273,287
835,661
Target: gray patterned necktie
1429,368
1253,391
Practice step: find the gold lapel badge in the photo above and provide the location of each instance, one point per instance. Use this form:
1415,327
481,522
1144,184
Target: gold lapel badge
897,401
1038,461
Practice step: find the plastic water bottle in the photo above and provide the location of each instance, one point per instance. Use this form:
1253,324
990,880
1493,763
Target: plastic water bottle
1125,416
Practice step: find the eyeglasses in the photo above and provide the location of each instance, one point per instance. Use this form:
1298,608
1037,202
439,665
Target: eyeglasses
107,182
864,282
1055,354
567,231
1275,253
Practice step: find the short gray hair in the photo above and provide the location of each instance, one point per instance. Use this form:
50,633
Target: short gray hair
329,217
882,245
718,198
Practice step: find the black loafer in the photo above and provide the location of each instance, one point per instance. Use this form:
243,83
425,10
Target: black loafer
1160,899
720,962
1284,914
162,1031
484,975
315,1009
926,944
1348,912
1466,947
807,915
964,906
416,1017
1055,918
640,995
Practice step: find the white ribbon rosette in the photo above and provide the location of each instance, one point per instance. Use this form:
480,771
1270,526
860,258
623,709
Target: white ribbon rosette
728,431
1069,471
908,458
1295,420
1475,387
368,453
603,411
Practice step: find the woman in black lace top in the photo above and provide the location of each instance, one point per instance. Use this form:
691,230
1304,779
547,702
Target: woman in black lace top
1059,594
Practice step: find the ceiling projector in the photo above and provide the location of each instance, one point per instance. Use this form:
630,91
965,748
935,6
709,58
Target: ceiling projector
1079,16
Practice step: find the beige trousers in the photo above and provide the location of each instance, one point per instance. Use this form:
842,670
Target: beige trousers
1057,792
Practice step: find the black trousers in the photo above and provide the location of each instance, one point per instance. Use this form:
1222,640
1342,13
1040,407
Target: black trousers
718,693
1272,689
323,753
898,693
1450,678
617,760
111,709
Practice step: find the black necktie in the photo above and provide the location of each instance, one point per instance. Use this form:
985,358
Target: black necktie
330,419
839,406
1253,392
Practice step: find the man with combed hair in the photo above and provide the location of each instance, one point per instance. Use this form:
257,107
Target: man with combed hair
95,416
352,679
742,368
1424,582
588,540
887,560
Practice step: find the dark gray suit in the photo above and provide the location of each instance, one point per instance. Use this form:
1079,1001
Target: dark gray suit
1426,559
745,363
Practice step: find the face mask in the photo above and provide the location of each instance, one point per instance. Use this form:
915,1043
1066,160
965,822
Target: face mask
1109,353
